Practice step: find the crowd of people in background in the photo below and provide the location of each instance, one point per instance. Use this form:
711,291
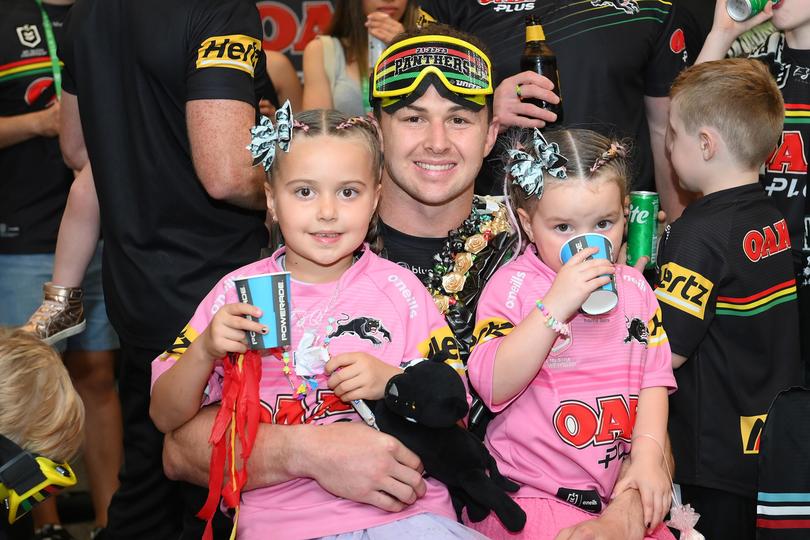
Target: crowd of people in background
152,153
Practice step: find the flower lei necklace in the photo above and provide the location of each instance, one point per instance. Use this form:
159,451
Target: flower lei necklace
457,256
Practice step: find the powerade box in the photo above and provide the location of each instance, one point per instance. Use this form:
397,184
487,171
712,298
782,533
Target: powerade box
271,294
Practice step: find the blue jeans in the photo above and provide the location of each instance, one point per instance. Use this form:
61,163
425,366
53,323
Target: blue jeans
21,279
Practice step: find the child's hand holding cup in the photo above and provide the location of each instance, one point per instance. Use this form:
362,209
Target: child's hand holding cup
605,297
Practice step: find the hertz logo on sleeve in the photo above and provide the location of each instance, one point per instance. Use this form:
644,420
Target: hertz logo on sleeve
236,51
684,289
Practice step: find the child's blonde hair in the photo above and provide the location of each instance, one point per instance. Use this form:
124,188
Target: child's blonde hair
590,155
39,408
739,98
332,122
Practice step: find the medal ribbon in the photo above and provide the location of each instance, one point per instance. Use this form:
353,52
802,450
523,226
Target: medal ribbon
51,41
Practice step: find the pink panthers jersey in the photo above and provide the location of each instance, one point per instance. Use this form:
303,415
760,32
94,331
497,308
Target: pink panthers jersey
379,308
572,426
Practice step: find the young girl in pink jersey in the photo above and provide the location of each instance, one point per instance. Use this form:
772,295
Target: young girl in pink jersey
576,393
363,314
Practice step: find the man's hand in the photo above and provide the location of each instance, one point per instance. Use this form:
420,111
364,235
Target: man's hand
621,520
359,376
353,461
511,111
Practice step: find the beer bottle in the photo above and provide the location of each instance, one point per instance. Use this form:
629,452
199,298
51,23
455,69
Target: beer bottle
538,57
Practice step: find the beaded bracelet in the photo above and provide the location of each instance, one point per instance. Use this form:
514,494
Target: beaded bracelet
551,322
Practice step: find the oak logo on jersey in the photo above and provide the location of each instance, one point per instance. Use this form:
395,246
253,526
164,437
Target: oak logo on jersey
789,156
684,289
636,329
771,240
235,51
290,410
751,431
628,6
367,328
29,35
580,425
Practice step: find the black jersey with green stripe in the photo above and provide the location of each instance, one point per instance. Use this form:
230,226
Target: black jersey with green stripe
784,174
610,54
35,181
728,298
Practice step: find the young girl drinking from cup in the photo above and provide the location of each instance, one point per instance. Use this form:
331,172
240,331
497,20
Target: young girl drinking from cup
576,393
355,320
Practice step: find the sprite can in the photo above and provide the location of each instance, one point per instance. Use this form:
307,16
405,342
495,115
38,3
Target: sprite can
642,231
741,10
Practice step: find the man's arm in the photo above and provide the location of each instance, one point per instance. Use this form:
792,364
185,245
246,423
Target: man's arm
219,133
71,137
21,127
361,464
673,198
622,520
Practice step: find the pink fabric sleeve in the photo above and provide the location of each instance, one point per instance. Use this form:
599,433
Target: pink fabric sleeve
658,362
221,294
494,320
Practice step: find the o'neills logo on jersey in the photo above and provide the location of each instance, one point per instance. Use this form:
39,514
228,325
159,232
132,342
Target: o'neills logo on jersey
236,51
580,425
751,431
684,289
772,239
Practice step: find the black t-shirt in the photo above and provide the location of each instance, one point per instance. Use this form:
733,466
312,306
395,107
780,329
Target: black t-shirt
35,181
133,66
412,252
728,300
610,54
784,174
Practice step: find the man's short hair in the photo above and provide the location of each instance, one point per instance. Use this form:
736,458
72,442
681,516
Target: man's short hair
439,29
739,98
39,408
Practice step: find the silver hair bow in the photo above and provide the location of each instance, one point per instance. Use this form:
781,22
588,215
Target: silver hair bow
527,171
265,137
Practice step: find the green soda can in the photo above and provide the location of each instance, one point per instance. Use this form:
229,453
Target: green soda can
741,10
642,231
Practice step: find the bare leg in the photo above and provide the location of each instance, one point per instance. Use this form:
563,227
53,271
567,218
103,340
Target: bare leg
93,376
78,232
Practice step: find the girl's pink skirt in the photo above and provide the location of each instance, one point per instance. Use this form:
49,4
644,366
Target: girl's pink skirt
544,519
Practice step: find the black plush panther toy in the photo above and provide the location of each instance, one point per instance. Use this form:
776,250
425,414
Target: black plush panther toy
422,407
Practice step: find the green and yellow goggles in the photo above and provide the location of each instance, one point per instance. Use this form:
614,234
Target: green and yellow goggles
27,479
406,69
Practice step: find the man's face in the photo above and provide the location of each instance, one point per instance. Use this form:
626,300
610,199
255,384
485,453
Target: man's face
434,148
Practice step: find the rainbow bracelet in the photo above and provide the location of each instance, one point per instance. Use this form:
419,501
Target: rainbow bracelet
551,322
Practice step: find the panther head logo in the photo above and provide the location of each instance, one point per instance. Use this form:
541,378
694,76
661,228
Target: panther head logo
367,328
636,329
628,6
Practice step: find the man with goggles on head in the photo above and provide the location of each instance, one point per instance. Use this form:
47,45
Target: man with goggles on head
431,92
436,120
